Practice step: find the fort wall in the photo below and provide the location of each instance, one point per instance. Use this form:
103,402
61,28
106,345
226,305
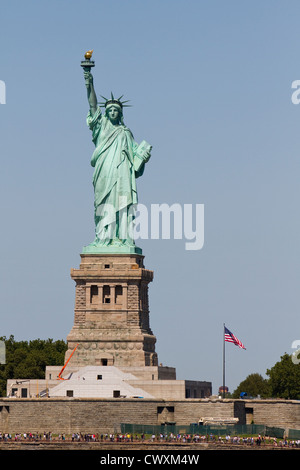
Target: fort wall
68,415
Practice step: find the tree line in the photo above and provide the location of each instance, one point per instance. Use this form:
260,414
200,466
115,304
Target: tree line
283,381
28,359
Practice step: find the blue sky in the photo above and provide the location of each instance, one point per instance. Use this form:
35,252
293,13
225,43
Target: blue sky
210,84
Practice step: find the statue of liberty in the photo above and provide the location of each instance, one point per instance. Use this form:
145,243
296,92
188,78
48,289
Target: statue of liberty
118,161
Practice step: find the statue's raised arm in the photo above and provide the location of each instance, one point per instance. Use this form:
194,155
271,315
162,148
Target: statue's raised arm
92,98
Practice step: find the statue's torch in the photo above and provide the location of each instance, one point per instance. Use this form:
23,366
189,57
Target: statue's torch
87,64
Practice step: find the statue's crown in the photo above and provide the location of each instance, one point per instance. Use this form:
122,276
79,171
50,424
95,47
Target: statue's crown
113,100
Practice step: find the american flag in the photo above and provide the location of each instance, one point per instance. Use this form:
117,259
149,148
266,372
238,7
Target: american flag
230,338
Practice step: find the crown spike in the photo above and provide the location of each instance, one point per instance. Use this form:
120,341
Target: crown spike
113,100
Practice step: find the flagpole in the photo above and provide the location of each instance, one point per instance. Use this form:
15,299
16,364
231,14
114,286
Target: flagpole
224,360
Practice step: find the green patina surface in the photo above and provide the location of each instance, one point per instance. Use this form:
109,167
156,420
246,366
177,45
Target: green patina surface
117,161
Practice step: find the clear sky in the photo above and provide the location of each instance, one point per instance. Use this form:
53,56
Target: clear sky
210,84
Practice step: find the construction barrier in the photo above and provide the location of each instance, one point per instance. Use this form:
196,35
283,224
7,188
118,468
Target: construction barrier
219,430
294,434
207,430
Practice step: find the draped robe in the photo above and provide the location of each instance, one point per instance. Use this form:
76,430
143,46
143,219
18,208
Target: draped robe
116,168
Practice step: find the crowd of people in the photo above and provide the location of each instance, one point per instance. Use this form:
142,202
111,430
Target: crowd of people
228,439
47,436
259,440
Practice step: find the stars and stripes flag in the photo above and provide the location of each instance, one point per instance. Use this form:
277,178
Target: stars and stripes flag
230,338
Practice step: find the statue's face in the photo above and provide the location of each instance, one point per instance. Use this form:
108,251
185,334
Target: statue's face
114,114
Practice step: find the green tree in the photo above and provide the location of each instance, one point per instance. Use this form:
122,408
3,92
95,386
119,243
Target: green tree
28,359
284,379
253,385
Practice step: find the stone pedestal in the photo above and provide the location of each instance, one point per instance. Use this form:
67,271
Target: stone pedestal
111,322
